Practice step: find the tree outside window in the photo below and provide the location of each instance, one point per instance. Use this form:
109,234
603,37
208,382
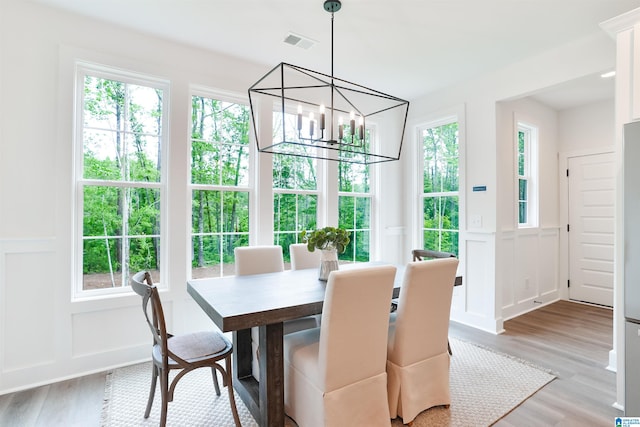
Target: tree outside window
354,207
526,144
219,184
440,199
121,180
295,195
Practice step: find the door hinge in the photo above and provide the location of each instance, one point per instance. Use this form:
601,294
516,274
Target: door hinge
567,227
568,283
567,172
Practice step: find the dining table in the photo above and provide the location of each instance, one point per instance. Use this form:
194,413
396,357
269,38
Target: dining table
238,303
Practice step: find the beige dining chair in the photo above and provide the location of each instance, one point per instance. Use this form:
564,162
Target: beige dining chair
417,359
302,258
259,260
335,374
181,352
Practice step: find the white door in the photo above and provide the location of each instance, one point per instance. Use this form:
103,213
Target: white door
591,222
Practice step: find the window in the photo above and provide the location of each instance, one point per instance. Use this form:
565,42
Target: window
526,144
120,176
219,184
440,199
295,195
354,206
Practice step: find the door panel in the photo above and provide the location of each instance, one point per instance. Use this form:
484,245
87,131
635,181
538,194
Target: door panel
591,219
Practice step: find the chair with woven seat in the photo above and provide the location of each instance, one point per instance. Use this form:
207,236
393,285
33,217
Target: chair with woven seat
181,352
417,359
335,375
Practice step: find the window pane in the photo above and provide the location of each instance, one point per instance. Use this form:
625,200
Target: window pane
230,243
449,242
219,146
101,263
522,213
236,212
307,208
353,177
206,255
102,215
101,154
284,212
440,149
521,152
363,213
104,102
346,210
522,189
449,213
205,213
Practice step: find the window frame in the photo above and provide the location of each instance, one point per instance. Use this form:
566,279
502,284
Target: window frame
530,163
83,69
421,196
249,188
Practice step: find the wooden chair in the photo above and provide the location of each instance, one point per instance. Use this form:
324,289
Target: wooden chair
425,254
184,352
335,374
417,359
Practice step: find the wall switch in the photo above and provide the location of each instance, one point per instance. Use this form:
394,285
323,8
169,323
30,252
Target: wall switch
476,221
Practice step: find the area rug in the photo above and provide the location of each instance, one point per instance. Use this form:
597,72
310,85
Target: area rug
485,386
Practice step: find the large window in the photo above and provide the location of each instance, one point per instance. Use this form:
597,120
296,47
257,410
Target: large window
440,199
120,176
295,195
220,184
354,206
526,144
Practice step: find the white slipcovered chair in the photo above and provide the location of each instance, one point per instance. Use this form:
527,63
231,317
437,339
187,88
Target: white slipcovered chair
417,359
302,258
260,260
335,375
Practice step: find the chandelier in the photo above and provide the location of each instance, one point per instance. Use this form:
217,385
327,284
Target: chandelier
320,116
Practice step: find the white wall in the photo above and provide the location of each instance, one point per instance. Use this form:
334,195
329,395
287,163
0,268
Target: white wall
588,127
44,336
487,277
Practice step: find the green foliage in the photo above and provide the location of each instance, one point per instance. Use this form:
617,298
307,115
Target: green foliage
326,238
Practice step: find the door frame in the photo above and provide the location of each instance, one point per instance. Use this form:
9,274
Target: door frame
563,164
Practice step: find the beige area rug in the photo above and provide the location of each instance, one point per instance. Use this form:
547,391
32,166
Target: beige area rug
484,387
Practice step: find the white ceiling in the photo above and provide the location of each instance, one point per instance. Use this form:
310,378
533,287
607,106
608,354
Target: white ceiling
404,47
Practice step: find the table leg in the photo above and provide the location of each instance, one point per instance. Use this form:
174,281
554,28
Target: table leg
271,385
264,399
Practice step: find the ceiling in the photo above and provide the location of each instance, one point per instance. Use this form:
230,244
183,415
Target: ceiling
404,47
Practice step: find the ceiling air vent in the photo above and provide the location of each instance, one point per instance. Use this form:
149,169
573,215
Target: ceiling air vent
299,41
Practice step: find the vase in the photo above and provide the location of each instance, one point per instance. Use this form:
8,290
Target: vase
328,263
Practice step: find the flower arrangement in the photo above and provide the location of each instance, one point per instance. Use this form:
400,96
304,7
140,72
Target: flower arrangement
326,238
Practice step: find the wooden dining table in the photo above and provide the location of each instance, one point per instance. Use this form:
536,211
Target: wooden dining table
238,303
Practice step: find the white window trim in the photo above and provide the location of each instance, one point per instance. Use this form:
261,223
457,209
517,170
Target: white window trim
82,69
250,188
531,173
446,117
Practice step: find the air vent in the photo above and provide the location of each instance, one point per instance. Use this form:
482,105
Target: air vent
299,41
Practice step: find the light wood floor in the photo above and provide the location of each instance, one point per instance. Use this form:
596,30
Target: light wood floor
573,340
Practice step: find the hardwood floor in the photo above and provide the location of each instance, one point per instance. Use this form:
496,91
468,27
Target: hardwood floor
571,339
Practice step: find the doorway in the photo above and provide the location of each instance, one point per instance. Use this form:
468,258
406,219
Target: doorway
591,199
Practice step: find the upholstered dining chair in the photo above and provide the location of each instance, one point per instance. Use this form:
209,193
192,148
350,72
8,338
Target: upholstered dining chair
183,352
302,258
259,260
335,374
426,255
417,359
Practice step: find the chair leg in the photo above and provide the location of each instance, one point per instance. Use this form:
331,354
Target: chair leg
232,401
152,391
215,380
164,390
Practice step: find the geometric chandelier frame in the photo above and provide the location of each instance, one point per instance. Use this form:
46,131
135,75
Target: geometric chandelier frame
321,116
